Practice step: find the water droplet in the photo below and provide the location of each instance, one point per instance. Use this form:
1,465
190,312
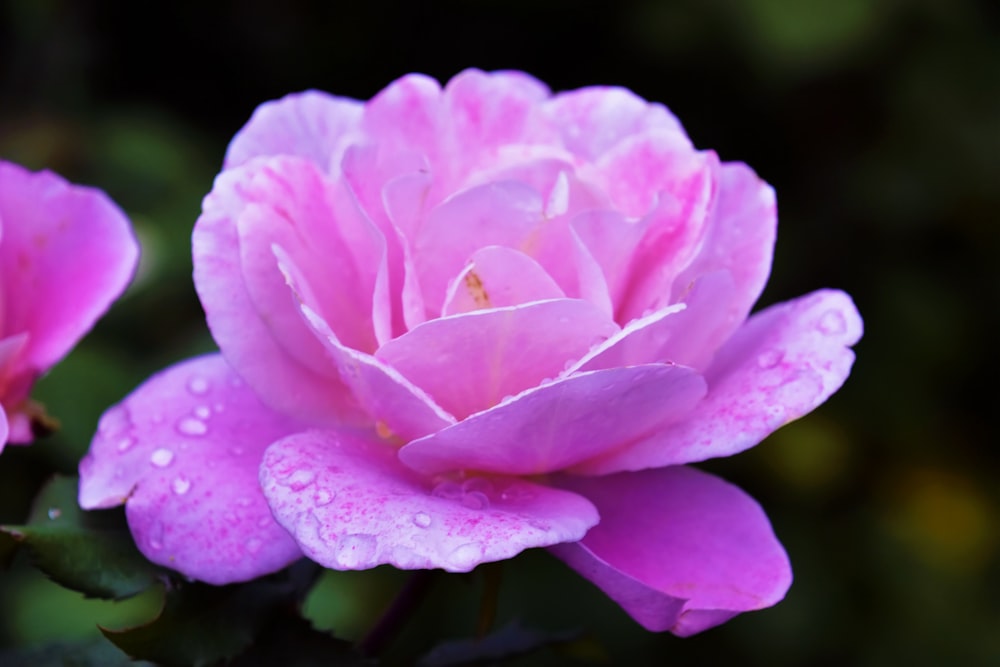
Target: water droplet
475,500
447,489
244,502
323,497
254,545
421,520
181,486
161,458
197,385
832,322
114,420
466,557
480,484
237,451
300,479
54,513
156,537
231,517
125,444
203,412
264,521
219,407
770,358
356,551
192,426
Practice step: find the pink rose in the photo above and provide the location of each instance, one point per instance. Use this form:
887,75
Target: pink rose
66,253
456,324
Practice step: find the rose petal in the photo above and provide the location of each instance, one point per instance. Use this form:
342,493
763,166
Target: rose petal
685,333
290,375
739,238
496,277
183,453
312,124
501,214
679,549
549,428
469,362
592,120
351,506
67,253
611,239
784,362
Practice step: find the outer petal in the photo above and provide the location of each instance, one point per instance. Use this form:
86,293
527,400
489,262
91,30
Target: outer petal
679,549
67,252
548,428
289,375
783,363
469,362
311,124
351,506
183,452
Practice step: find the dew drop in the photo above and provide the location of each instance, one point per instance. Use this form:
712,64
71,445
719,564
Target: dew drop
54,513
254,545
197,385
181,486
192,426
244,502
447,489
300,479
156,537
203,412
231,517
421,520
161,458
264,521
466,557
323,497
480,484
237,451
770,358
475,500
125,444
115,419
832,322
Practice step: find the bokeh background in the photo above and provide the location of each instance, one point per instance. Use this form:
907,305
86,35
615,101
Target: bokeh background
878,123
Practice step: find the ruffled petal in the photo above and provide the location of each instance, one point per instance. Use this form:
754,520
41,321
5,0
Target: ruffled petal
183,453
67,253
351,505
469,362
593,120
313,125
678,549
783,363
551,427
258,330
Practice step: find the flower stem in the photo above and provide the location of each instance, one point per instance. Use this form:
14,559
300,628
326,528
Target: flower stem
398,612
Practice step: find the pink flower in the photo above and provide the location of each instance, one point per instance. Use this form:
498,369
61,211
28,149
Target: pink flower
456,324
66,253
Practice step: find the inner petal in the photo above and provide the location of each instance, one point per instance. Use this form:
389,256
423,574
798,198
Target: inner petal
496,277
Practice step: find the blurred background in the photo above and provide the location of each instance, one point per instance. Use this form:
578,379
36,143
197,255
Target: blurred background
878,123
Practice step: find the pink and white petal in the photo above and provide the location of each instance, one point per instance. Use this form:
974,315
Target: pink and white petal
4,430
496,277
673,236
677,548
289,378
182,452
557,425
783,363
503,213
739,237
311,124
469,362
400,408
611,239
351,505
68,252
593,120
405,116
686,333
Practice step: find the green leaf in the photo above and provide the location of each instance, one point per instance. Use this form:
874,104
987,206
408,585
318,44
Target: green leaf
201,624
89,552
509,641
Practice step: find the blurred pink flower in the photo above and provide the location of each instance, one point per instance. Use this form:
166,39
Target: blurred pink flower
456,324
66,253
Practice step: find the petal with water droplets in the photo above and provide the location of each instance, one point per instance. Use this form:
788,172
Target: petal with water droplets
351,505
183,453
